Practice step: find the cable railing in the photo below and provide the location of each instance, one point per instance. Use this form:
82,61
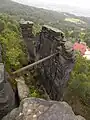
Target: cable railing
35,63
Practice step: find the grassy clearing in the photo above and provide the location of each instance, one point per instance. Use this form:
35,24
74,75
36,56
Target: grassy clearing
74,20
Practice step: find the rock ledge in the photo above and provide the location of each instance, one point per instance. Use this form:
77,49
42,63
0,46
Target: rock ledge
39,109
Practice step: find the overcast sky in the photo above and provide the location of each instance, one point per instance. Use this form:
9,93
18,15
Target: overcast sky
78,3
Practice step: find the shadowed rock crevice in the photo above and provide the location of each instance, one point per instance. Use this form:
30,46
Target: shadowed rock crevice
55,71
39,109
7,95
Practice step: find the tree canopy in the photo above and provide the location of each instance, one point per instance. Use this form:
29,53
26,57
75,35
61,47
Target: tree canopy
13,52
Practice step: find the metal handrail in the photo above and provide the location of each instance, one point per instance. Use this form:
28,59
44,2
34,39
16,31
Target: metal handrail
33,64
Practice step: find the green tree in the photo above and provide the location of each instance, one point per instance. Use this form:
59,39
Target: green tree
80,79
78,92
36,28
12,27
14,54
2,25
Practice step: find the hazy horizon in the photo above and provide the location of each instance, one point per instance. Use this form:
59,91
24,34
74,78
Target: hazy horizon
76,3
77,7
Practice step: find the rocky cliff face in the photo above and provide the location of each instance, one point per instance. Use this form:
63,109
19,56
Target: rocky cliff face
55,75
26,29
55,71
39,109
7,96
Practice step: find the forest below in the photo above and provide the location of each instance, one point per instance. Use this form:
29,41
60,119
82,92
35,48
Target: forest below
74,27
15,54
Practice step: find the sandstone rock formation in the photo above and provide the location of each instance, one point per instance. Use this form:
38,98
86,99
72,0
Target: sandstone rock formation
23,90
39,109
7,96
26,29
55,72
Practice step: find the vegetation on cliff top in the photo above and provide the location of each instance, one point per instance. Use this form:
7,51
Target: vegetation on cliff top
78,92
14,52
14,55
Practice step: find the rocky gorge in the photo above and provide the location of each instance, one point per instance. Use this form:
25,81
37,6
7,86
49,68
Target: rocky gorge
55,74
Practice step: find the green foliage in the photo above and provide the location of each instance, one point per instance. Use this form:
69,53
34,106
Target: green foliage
36,28
2,25
70,24
13,51
12,27
82,36
79,84
78,91
32,80
74,20
34,92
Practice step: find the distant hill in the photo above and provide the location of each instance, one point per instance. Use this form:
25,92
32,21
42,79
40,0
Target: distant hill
60,7
60,20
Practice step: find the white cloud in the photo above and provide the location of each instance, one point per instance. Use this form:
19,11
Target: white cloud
78,3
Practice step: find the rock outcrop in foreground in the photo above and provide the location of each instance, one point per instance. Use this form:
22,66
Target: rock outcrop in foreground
39,109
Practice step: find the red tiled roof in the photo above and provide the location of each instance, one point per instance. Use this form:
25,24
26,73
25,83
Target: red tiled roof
80,47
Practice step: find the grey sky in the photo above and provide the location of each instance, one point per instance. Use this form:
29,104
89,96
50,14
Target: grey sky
78,3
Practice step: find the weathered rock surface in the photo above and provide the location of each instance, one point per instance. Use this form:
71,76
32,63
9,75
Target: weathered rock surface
26,28
39,109
7,96
23,90
80,117
55,72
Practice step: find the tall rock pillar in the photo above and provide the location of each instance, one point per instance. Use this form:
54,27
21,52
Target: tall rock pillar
55,72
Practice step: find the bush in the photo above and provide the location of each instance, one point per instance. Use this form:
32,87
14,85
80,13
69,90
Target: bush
14,54
79,84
